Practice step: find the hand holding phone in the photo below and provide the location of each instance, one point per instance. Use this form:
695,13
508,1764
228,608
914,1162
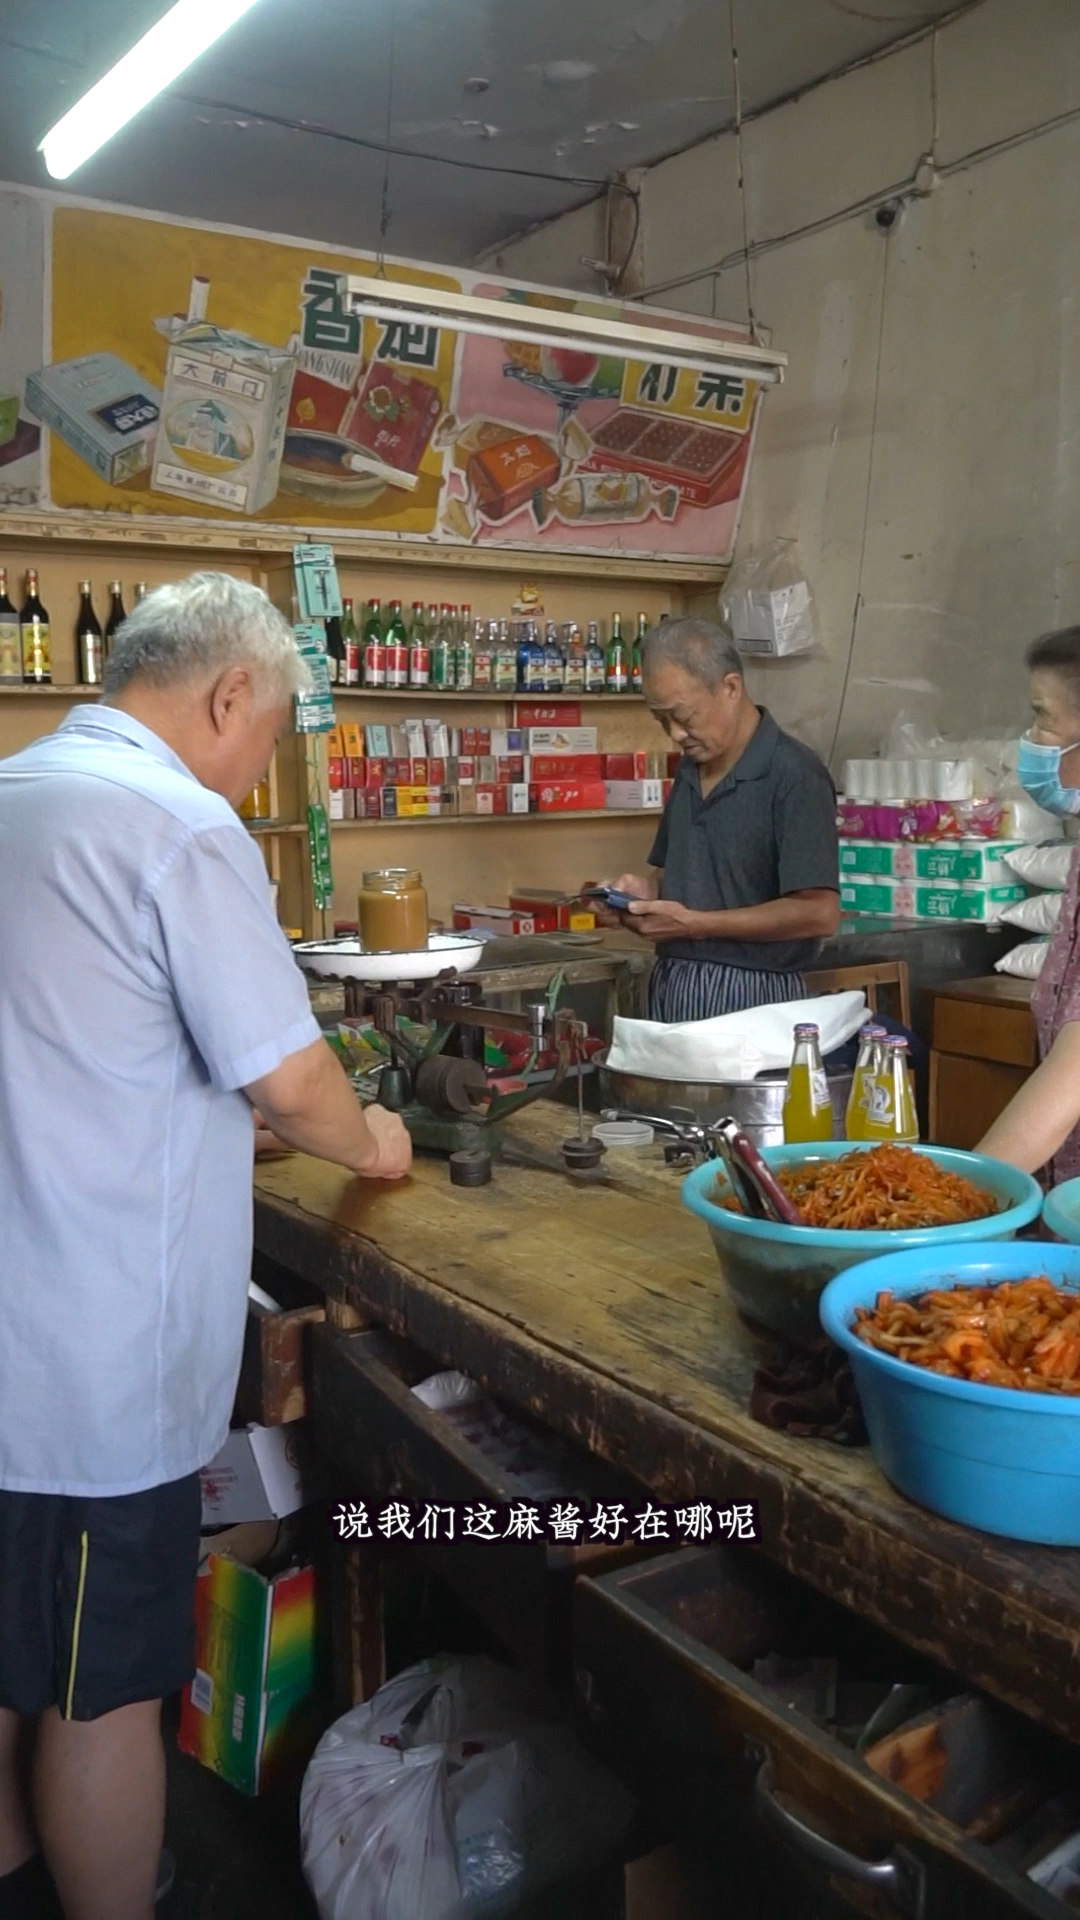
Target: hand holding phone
609,897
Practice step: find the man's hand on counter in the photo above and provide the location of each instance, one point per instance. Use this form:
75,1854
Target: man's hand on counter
308,1103
811,914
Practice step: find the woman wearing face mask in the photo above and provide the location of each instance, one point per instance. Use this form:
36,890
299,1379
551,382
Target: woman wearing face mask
1041,1126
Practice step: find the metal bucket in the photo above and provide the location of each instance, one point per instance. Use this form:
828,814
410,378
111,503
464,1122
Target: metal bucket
758,1105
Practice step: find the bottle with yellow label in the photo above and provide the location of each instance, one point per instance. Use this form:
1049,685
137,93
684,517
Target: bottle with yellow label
807,1107
891,1111
867,1066
34,634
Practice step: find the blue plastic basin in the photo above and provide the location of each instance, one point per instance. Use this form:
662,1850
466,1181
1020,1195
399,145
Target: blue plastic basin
990,1457
776,1274
1061,1211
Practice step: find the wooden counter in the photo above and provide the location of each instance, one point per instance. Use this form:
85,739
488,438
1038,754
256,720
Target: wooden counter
983,1047
601,1312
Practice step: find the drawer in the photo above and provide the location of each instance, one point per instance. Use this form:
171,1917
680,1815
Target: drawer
384,1444
967,1096
272,1388
662,1658
985,1032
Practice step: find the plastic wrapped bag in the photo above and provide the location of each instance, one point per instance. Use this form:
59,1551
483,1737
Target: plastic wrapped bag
1039,914
1024,962
1043,866
453,1794
766,603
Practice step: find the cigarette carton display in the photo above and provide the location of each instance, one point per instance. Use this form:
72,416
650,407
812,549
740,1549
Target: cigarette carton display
567,796
222,428
556,740
102,409
646,794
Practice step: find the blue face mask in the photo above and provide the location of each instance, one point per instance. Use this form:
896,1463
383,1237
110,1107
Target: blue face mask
1039,772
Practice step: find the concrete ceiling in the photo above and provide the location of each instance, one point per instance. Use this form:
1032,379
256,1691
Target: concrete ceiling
576,90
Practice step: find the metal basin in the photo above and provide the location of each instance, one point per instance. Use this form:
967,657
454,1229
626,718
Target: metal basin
758,1105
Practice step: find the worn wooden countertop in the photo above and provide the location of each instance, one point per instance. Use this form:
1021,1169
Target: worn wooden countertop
601,1311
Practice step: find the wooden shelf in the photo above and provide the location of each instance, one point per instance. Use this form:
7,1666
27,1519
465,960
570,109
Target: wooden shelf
263,544
495,819
269,829
437,694
53,692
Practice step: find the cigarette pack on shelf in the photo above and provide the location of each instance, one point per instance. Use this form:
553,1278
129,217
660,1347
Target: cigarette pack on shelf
557,740
553,912
501,920
556,713
631,766
646,794
568,796
247,1714
564,766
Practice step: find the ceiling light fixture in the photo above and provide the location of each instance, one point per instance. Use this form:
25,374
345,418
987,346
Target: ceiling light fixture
395,300
153,63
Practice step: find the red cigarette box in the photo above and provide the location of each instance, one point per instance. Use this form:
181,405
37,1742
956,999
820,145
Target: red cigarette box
420,775
626,766
566,766
567,796
335,771
531,713
369,804
376,773
436,772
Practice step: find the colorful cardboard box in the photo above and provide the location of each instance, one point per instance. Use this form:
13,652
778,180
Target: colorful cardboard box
261,1473
247,1713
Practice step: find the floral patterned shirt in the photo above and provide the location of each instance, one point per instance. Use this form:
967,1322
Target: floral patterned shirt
1056,1000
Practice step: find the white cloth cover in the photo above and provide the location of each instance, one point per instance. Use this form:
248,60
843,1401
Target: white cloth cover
734,1047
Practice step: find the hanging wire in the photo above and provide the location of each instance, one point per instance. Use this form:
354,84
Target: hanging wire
751,319
935,123
385,212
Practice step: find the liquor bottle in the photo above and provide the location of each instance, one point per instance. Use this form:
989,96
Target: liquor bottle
485,633
116,615
419,650
335,650
444,651
397,649
34,636
807,1107
10,644
353,650
141,591
374,662
89,640
505,668
616,678
554,669
531,659
595,664
573,658
637,655
464,657
867,1068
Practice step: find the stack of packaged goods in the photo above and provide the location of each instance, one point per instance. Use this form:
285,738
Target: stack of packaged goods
425,768
1047,869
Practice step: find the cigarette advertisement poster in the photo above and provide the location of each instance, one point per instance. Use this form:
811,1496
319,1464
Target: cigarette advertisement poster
153,367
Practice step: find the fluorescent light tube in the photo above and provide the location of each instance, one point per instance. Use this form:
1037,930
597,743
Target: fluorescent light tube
545,326
153,63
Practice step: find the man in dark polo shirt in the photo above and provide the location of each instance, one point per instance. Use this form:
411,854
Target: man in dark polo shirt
746,885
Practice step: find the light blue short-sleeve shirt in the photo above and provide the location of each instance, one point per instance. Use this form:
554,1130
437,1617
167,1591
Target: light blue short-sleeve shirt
143,982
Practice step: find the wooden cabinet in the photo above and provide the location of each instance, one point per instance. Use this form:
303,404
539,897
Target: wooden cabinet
983,1048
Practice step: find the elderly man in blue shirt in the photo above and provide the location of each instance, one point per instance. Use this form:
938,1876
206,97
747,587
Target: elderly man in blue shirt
148,1003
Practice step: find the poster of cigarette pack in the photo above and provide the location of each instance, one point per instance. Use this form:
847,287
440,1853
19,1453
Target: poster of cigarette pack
102,409
222,430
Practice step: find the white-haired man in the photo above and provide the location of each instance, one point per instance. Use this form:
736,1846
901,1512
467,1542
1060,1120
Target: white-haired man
148,1002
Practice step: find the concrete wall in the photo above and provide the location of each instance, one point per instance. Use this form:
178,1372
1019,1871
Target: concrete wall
924,448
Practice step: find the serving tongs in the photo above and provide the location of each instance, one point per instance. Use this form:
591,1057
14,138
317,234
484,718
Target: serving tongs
754,1185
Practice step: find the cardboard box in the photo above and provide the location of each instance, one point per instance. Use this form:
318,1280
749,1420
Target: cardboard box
352,738
629,766
102,409
335,809
646,794
335,742
536,713
567,796
517,797
501,920
564,766
247,1713
222,428
559,740
261,1473
335,771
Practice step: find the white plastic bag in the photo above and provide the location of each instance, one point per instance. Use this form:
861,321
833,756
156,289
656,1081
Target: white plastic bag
453,1794
1043,866
1025,962
1040,914
734,1046
766,603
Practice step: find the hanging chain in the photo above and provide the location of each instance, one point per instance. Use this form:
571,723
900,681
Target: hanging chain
751,318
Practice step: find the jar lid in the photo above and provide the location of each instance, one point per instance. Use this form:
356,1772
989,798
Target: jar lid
624,1133
385,879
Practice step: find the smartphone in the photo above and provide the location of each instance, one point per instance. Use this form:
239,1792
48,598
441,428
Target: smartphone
609,897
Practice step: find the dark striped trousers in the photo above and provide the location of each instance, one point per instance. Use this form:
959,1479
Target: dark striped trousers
701,989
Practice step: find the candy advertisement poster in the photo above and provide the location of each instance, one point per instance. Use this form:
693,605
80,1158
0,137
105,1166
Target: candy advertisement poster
220,375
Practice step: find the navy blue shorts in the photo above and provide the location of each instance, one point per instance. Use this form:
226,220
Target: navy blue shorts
97,1598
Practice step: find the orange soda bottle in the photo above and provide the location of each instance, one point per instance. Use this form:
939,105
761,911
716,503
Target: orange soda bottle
867,1066
807,1107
